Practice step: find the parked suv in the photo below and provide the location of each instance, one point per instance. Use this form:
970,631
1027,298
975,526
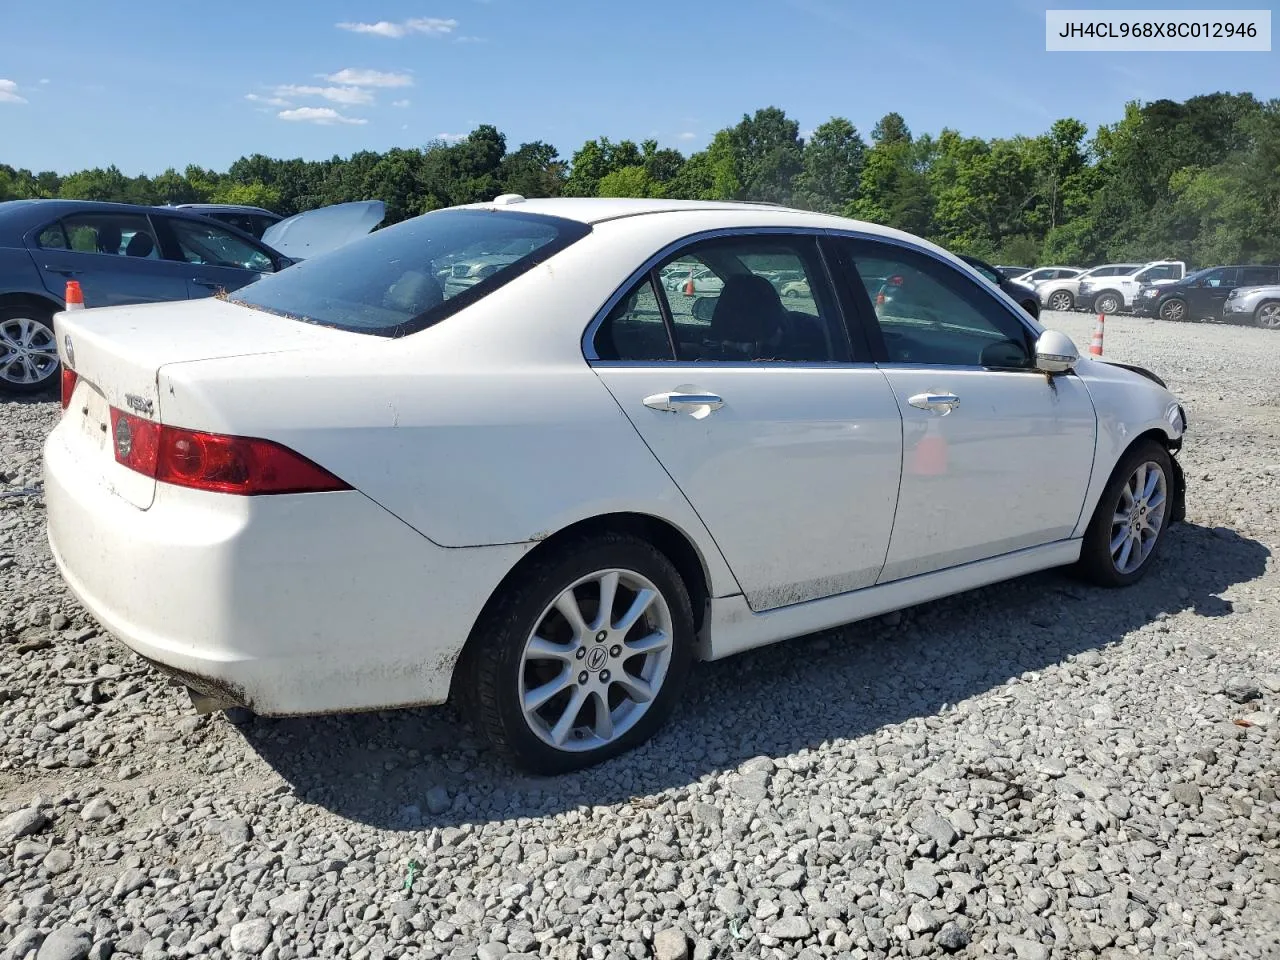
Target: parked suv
1203,294
1062,293
1120,292
1041,274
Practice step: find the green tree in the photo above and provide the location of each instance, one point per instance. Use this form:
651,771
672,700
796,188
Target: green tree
832,162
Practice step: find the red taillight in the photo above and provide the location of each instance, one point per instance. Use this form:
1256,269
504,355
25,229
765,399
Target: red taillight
69,378
215,462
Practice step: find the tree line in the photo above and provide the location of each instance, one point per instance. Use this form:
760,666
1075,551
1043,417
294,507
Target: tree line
1197,180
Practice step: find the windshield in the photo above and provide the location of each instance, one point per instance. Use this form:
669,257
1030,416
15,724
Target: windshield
402,279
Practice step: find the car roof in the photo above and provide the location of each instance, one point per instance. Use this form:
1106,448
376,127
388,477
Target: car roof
225,207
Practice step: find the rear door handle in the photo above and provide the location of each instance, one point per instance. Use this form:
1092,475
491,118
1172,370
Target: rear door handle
62,270
202,282
942,403
696,404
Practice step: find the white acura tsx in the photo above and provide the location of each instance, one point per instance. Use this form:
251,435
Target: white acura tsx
357,484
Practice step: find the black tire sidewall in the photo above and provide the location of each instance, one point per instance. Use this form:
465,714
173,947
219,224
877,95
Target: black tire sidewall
1095,554
492,662
1101,298
43,316
1165,306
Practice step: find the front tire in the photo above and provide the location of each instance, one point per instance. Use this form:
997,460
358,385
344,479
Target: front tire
28,349
1131,518
1174,310
581,656
1267,315
1107,302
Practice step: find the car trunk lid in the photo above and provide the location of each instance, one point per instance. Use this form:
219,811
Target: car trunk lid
314,232
115,355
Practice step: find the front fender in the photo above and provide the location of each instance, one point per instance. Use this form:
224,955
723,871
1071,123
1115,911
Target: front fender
1130,404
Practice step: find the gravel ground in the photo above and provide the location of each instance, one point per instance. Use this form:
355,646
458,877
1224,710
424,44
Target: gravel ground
1037,769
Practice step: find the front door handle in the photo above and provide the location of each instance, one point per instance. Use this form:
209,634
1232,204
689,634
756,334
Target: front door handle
62,270
696,404
202,282
942,403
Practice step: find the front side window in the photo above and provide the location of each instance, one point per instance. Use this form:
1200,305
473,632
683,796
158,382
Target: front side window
1221,277
402,279
929,313
112,234
1044,274
212,246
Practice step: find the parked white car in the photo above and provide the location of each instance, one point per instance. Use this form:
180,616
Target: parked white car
1041,274
1116,293
1063,293
343,488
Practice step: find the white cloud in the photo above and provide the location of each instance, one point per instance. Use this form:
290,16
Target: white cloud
431,26
9,92
470,40
324,116
451,137
400,103
269,101
688,136
44,79
351,77
343,95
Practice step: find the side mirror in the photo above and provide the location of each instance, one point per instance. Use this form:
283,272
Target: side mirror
1055,353
703,307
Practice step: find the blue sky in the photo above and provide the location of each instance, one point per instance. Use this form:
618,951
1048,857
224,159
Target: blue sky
166,84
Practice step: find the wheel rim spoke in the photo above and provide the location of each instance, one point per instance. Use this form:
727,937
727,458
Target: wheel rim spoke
608,592
653,643
1125,551
1138,519
567,604
637,689
538,696
635,611
1155,502
1118,540
540,648
569,719
1153,478
603,725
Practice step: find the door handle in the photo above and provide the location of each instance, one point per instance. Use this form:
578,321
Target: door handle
62,270
202,282
698,404
942,403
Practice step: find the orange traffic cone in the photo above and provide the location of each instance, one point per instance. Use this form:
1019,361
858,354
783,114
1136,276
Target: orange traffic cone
74,295
1095,345
688,285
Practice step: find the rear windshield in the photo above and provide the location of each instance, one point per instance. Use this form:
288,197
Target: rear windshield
402,279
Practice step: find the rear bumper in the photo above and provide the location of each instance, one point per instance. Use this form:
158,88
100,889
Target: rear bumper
309,603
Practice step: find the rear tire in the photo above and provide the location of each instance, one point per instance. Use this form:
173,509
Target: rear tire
1267,315
554,697
28,349
1131,519
1062,300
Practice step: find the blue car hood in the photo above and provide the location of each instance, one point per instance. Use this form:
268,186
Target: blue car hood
315,232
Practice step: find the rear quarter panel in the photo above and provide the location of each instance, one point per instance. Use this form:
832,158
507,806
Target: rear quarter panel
18,275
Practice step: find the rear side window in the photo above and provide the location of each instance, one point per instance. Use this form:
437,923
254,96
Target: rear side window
113,234
402,279
1257,276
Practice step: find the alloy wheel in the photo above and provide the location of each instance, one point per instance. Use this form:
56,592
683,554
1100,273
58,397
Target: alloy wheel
1269,316
596,660
28,351
1174,310
1108,304
1060,301
1138,517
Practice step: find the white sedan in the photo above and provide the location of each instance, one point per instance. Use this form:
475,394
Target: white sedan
346,488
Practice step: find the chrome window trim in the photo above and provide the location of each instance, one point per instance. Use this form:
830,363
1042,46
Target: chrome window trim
588,336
